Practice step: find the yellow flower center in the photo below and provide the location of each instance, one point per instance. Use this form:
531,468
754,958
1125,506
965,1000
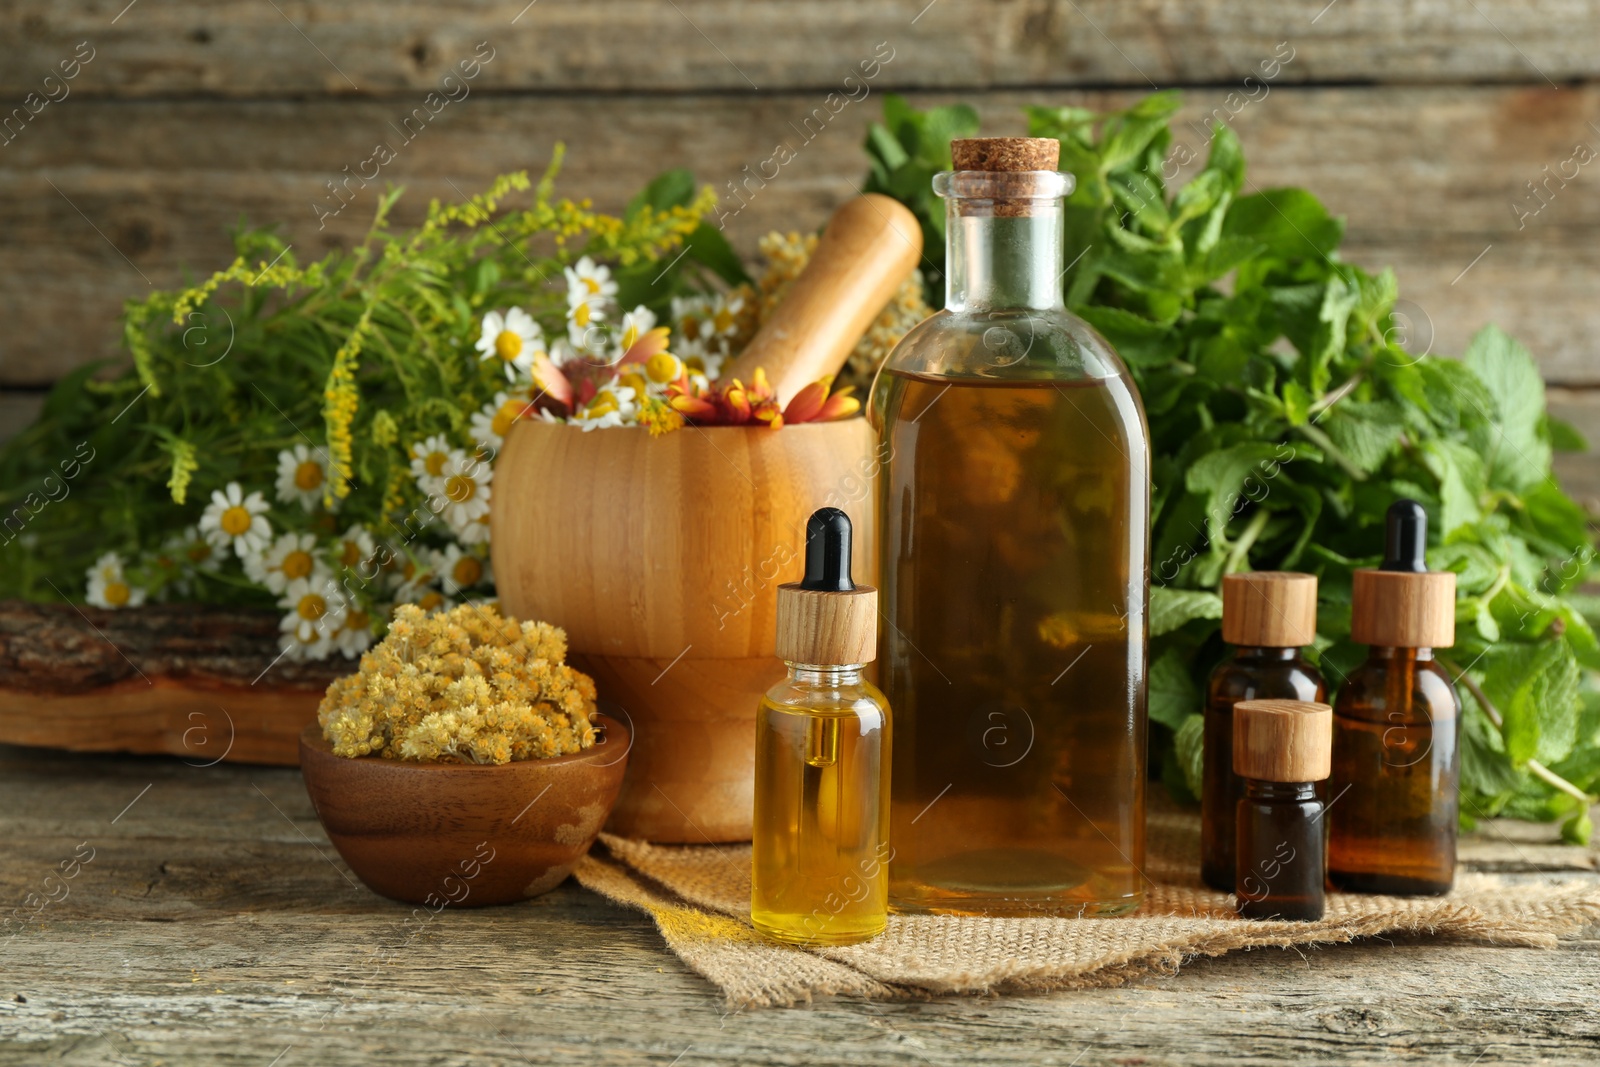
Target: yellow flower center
460,488
350,554
236,520
429,601
312,607
663,367
467,571
580,315
508,346
633,380
593,285
297,564
308,476
117,593
602,404
358,620
507,416
722,322
408,570
434,463
689,326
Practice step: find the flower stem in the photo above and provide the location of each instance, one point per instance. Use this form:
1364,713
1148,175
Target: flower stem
1537,769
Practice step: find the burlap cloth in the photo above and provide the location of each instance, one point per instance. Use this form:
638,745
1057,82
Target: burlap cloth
699,896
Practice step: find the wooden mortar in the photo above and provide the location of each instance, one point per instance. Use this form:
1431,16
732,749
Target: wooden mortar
661,557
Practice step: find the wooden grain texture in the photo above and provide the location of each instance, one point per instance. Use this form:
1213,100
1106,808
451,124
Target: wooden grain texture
661,558
215,925
869,248
1269,609
323,46
1282,740
101,199
1397,609
827,627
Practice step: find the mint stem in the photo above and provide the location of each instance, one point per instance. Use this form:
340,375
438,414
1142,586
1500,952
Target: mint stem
1537,769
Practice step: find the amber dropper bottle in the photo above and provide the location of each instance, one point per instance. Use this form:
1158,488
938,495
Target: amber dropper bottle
821,834
1267,616
1281,750
1392,797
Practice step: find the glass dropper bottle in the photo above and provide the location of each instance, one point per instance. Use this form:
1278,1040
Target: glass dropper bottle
1392,796
820,847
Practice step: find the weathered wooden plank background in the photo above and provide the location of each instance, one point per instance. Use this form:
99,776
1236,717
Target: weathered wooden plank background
1423,122
216,925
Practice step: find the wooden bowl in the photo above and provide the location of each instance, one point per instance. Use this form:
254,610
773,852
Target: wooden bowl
661,557
463,834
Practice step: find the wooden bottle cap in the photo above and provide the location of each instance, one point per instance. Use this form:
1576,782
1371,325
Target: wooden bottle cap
1005,153
1403,609
1269,609
1282,740
827,628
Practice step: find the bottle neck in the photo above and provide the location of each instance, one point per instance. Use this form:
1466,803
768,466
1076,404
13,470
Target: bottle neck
997,263
1256,789
1270,653
1398,656
827,674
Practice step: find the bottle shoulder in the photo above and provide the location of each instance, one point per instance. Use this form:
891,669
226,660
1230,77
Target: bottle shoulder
1430,697
1295,679
1040,343
861,699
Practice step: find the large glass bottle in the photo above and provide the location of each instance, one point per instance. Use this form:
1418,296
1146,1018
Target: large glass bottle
1014,516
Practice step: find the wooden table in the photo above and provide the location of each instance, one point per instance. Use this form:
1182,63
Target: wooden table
214,924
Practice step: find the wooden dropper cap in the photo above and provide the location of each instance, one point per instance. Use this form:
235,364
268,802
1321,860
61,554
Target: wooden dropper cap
1269,609
1282,740
826,619
1403,604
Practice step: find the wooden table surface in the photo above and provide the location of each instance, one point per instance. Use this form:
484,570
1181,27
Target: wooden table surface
208,921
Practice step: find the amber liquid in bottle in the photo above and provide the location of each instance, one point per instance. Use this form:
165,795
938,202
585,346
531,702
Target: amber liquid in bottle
820,846
1392,797
1246,674
1279,870
1010,515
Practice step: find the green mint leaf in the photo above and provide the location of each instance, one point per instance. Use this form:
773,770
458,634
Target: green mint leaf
1292,223
1190,743
1171,608
1173,696
1513,442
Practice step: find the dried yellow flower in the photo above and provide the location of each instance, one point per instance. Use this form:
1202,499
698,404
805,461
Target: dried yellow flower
462,686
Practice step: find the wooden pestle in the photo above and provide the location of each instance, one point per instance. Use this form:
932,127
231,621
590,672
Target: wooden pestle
871,245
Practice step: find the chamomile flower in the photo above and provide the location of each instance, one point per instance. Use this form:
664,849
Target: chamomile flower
355,636
584,316
355,549
108,586
466,490
635,324
461,571
302,473
587,279
513,338
691,316
235,520
311,619
494,420
290,558
428,459
722,322
413,579
706,365
613,405
475,533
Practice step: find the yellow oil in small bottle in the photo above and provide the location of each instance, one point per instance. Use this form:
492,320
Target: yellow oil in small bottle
820,848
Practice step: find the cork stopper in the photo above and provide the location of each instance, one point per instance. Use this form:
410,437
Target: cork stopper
1282,740
825,618
1402,604
1269,609
1005,153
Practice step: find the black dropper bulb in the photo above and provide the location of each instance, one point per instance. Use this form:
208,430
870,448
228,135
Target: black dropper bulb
1405,539
828,552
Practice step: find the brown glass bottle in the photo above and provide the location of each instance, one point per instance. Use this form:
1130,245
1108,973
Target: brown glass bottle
1396,765
1268,615
1392,796
1247,674
1280,751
